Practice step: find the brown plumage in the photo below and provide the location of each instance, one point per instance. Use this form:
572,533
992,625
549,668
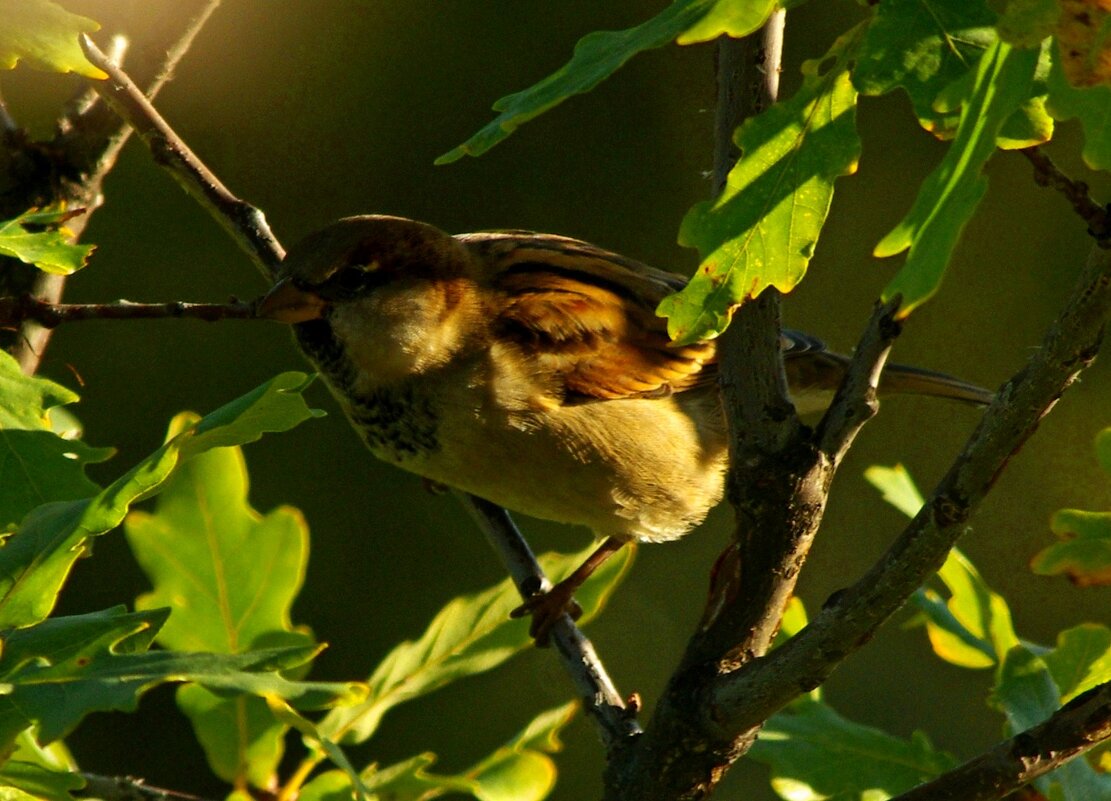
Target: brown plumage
532,370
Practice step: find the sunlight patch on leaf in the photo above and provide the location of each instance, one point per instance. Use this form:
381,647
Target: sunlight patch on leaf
764,227
49,249
951,193
44,35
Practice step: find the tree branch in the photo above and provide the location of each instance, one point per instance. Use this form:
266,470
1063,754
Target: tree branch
616,723
128,788
1046,173
245,223
14,311
746,697
1076,728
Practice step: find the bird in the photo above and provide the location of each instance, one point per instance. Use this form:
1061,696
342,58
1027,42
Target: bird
532,370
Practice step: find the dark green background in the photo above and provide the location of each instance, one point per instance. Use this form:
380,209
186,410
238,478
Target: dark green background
321,108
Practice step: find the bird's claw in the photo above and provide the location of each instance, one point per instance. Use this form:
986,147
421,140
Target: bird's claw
546,609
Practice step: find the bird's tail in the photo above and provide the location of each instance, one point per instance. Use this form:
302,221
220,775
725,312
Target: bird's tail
901,378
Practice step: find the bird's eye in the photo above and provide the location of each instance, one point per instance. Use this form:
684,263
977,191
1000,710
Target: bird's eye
345,284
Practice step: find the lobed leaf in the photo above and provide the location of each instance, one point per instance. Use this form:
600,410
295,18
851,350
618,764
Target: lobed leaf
1091,105
601,53
815,753
472,634
1084,550
48,249
1081,660
1085,49
62,669
1026,23
35,561
44,35
764,227
36,465
949,196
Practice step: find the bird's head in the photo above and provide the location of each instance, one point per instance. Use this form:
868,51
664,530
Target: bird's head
394,293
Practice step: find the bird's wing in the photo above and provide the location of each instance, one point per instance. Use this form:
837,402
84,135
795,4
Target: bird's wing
588,317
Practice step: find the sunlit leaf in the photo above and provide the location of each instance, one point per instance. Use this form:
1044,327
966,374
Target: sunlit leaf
1081,660
472,634
45,244
36,465
815,753
62,669
35,561
288,716
949,196
40,782
971,627
44,35
730,18
597,56
1084,550
764,227
1027,694
231,576
922,46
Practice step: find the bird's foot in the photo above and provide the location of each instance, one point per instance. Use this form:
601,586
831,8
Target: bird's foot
547,608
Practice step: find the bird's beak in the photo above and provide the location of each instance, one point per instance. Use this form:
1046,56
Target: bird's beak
287,303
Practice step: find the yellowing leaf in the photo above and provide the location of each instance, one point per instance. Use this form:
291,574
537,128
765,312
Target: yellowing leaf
44,35
1085,47
47,246
764,227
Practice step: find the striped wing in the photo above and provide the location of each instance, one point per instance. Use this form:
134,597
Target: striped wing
588,317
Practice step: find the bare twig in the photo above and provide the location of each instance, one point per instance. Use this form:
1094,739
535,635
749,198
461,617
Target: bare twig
855,401
1077,727
14,311
748,696
245,223
1046,173
128,788
615,722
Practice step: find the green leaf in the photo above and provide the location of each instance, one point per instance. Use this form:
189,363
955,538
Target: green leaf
897,487
730,18
36,465
62,669
39,782
1081,660
470,635
320,742
973,627
816,753
50,250
44,35
597,56
949,196
1084,551
520,770
1091,105
764,227
1027,694
1025,23
231,577
35,561
923,46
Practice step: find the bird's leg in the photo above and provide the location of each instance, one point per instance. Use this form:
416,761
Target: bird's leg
547,607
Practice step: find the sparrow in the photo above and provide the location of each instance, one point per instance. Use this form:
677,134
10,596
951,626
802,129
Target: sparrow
532,370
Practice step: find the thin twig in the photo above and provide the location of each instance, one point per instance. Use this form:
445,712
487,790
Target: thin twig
855,402
615,722
14,311
128,788
757,690
245,223
1074,729
1046,173
84,101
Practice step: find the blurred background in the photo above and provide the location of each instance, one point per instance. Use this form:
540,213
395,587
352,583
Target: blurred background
316,109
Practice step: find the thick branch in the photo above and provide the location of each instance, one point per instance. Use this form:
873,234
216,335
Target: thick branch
616,723
1046,173
245,223
748,696
1077,727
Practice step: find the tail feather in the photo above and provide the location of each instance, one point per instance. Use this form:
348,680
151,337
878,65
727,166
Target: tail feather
901,378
